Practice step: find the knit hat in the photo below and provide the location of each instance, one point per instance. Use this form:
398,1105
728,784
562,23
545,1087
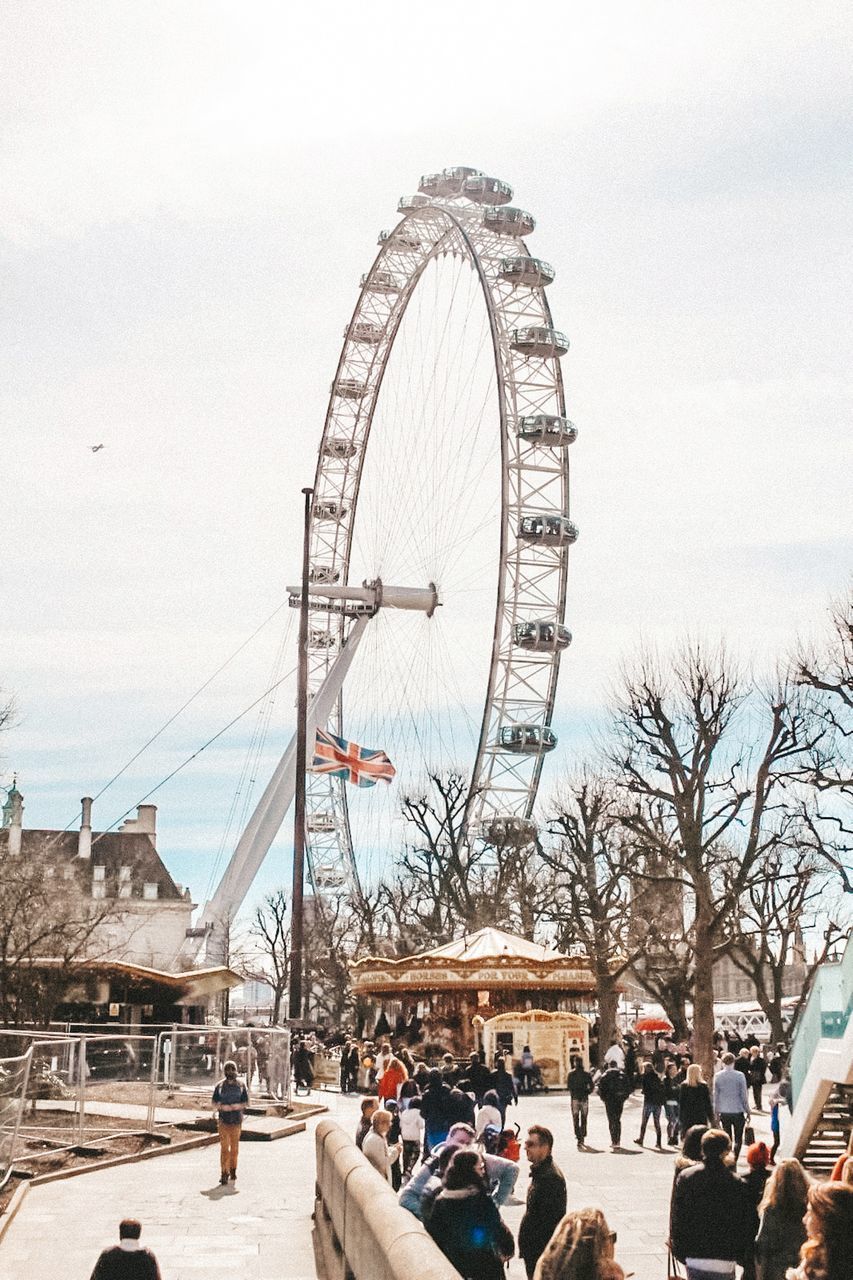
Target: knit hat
758,1155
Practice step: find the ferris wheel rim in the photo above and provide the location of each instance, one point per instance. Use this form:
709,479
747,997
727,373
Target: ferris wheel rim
451,220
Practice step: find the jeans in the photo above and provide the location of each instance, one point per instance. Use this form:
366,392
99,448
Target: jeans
650,1109
411,1151
733,1124
580,1111
756,1093
614,1120
671,1108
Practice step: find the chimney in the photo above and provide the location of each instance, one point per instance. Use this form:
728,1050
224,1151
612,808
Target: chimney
13,813
145,823
84,841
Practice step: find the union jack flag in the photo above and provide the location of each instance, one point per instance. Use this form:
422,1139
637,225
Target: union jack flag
341,759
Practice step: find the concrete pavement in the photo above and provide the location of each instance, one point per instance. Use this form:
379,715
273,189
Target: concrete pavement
261,1229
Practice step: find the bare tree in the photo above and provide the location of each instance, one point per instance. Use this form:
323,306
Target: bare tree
592,864
826,673
49,930
708,755
270,933
788,895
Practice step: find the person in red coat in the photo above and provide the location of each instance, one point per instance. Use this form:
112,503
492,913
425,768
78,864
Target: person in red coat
394,1075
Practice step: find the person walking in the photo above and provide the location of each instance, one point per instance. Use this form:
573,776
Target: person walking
465,1222
127,1260
368,1106
714,1222
376,1147
614,1089
828,1251
694,1101
581,1248
672,1081
731,1101
755,1180
757,1075
479,1075
488,1114
580,1086
229,1098
504,1086
526,1069
412,1136
392,1079
437,1110
546,1197
654,1096
782,1231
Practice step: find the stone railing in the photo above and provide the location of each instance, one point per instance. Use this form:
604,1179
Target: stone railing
362,1231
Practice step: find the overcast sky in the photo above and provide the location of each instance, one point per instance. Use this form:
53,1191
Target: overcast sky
189,194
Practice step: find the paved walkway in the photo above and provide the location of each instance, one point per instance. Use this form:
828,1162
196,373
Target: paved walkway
261,1229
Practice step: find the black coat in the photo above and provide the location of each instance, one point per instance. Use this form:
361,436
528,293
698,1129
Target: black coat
437,1108
471,1234
119,1264
694,1106
546,1207
713,1215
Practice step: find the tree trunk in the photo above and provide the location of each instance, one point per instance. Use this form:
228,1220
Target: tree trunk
608,1003
703,1000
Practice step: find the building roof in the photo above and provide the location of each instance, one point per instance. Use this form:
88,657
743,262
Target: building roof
112,849
488,944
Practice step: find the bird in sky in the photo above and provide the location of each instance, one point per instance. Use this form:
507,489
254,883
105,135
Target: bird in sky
95,447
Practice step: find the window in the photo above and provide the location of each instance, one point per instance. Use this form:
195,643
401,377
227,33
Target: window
124,873
125,889
99,872
149,890
99,889
68,871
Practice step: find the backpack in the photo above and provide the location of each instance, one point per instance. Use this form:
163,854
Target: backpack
508,1145
490,1138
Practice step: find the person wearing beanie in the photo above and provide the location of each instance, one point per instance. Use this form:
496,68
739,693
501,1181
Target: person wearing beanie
755,1181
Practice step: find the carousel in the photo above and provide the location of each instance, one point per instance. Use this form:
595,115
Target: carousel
447,997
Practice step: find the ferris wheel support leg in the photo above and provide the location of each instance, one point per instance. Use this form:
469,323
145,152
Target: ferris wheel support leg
271,810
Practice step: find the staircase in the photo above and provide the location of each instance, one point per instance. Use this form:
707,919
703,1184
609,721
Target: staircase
831,1133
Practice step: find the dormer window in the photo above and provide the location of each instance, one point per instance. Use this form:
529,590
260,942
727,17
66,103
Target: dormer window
149,890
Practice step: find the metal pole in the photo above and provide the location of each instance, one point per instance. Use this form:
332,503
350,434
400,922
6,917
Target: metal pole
296,907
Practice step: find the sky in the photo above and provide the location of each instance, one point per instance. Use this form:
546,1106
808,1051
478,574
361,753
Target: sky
190,194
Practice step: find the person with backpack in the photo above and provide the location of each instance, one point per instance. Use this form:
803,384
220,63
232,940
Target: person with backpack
614,1089
654,1096
488,1114
580,1086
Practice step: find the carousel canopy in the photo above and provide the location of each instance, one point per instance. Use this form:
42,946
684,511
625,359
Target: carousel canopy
487,959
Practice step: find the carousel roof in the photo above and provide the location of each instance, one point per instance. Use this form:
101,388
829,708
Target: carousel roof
488,944
485,959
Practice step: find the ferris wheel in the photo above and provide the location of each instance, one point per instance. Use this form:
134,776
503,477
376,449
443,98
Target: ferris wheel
443,464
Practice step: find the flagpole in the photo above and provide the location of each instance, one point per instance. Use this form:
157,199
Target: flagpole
296,904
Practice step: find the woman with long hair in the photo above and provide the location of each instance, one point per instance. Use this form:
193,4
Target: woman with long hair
465,1222
694,1101
782,1231
828,1251
581,1248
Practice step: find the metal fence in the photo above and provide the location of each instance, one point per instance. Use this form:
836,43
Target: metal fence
14,1073
69,1091
191,1059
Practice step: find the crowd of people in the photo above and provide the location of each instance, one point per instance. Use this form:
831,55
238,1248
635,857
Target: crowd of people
441,1138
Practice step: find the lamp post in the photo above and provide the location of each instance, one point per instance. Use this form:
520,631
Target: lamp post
296,896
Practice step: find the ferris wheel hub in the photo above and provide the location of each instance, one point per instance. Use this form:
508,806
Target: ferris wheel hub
368,598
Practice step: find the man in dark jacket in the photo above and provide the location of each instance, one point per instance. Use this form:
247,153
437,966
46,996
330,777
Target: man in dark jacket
437,1110
546,1197
127,1260
714,1220
479,1075
614,1087
580,1086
